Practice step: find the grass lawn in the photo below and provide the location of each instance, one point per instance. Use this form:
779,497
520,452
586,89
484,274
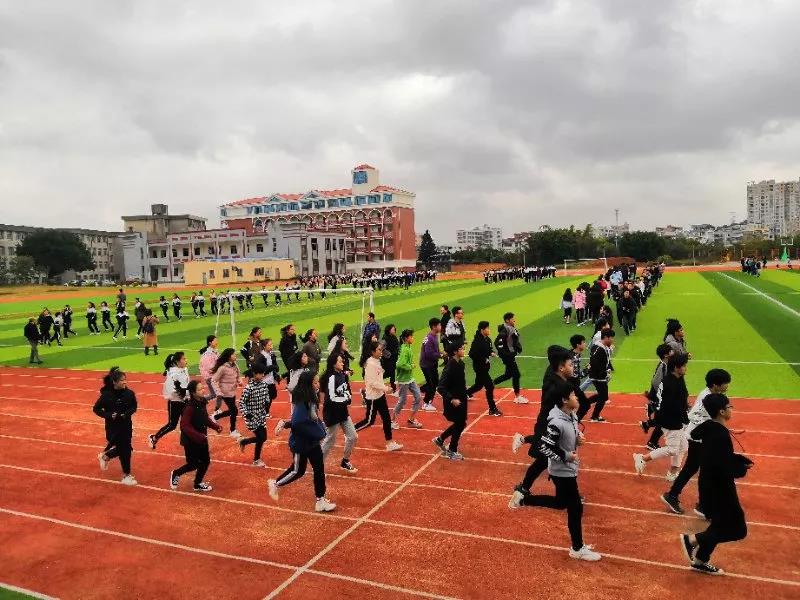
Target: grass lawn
727,325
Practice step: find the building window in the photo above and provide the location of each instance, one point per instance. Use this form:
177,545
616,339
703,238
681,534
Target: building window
282,207
174,253
259,272
333,203
361,200
347,202
185,252
226,273
233,250
375,199
175,272
327,244
259,248
314,244
270,208
274,246
387,197
197,251
294,206
154,254
164,273
319,204
163,254
306,204
211,274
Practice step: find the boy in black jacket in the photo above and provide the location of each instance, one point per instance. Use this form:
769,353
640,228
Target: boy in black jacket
719,468
672,415
664,351
508,347
600,368
453,389
480,352
31,333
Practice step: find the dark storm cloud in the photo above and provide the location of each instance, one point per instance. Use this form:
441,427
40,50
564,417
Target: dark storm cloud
518,113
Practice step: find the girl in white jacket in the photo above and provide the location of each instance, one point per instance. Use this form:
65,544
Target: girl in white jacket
174,392
375,391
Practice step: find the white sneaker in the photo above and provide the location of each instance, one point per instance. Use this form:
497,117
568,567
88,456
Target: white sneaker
279,427
520,400
151,441
516,500
324,505
213,416
128,480
235,435
517,442
103,461
670,476
395,425
638,463
585,553
392,446
259,463
272,487
429,407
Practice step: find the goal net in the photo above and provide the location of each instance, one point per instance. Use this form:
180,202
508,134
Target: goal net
238,312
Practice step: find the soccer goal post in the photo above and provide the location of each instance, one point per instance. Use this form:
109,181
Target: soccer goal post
266,308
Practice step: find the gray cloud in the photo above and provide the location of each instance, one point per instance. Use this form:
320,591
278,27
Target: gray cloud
511,112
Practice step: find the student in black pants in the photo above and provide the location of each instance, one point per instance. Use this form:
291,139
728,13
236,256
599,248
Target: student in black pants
91,319
717,381
116,406
559,371
194,438
106,313
255,403
480,352
391,350
429,357
560,445
174,392
308,431
508,347
453,389
375,391
67,316
122,324
164,304
719,469
600,368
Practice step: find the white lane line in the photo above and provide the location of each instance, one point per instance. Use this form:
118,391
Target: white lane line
491,538
27,592
214,553
314,514
369,514
763,295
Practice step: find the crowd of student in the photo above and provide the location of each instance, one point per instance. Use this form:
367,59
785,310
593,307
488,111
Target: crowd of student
528,274
321,392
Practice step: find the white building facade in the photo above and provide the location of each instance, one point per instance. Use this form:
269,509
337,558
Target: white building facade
774,207
479,237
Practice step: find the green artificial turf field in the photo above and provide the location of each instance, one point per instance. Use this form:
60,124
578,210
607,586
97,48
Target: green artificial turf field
728,325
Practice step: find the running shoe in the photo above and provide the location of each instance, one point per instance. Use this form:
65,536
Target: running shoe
272,487
686,547
324,505
103,461
707,568
428,407
516,442
639,463
454,455
516,500
203,487
259,463
392,446
494,412
439,443
346,465
699,512
585,553
672,503
173,480
520,400
395,425
151,441
279,427
128,480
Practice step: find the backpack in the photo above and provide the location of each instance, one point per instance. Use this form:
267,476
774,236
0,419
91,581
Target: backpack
148,327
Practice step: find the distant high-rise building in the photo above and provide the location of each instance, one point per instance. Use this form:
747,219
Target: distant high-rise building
774,207
479,237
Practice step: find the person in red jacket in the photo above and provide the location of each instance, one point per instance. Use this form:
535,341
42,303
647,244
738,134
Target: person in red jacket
194,438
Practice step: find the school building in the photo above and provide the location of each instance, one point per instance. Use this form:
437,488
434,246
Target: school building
375,220
223,273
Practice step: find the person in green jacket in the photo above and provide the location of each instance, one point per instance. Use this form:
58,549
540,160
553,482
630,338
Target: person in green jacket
404,377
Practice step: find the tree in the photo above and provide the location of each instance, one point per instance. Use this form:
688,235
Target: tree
642,245
56,252
22,269
427,249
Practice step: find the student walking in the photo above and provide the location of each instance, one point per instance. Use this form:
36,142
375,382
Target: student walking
720,467
664,351
336,390
176,306
560,444
600,369
254,404
566,305
66,314
455,332
225,378
508,347
194,438
105,311
287,347
406,381
481,351
208,358
672,416
675,337
164,304
122,324
579,301
453,389
45,323
304,442
139,311
375,391
717,382
31,333
91,319
429,357
116,406
312,349
149,335
176,383
391,351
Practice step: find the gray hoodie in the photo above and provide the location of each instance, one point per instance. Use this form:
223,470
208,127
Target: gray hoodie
561,437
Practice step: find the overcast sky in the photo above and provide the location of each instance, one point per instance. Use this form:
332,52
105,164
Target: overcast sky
509,113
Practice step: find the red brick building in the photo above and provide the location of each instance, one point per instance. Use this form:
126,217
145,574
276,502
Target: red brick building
378,220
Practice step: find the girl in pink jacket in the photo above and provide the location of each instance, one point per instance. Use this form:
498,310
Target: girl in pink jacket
225,379
579,301
208,358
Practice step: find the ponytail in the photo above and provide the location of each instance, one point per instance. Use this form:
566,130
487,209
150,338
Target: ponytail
307,336
172,360
112,377
209,339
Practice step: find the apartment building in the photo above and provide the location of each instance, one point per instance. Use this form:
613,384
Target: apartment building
479,237
774,207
